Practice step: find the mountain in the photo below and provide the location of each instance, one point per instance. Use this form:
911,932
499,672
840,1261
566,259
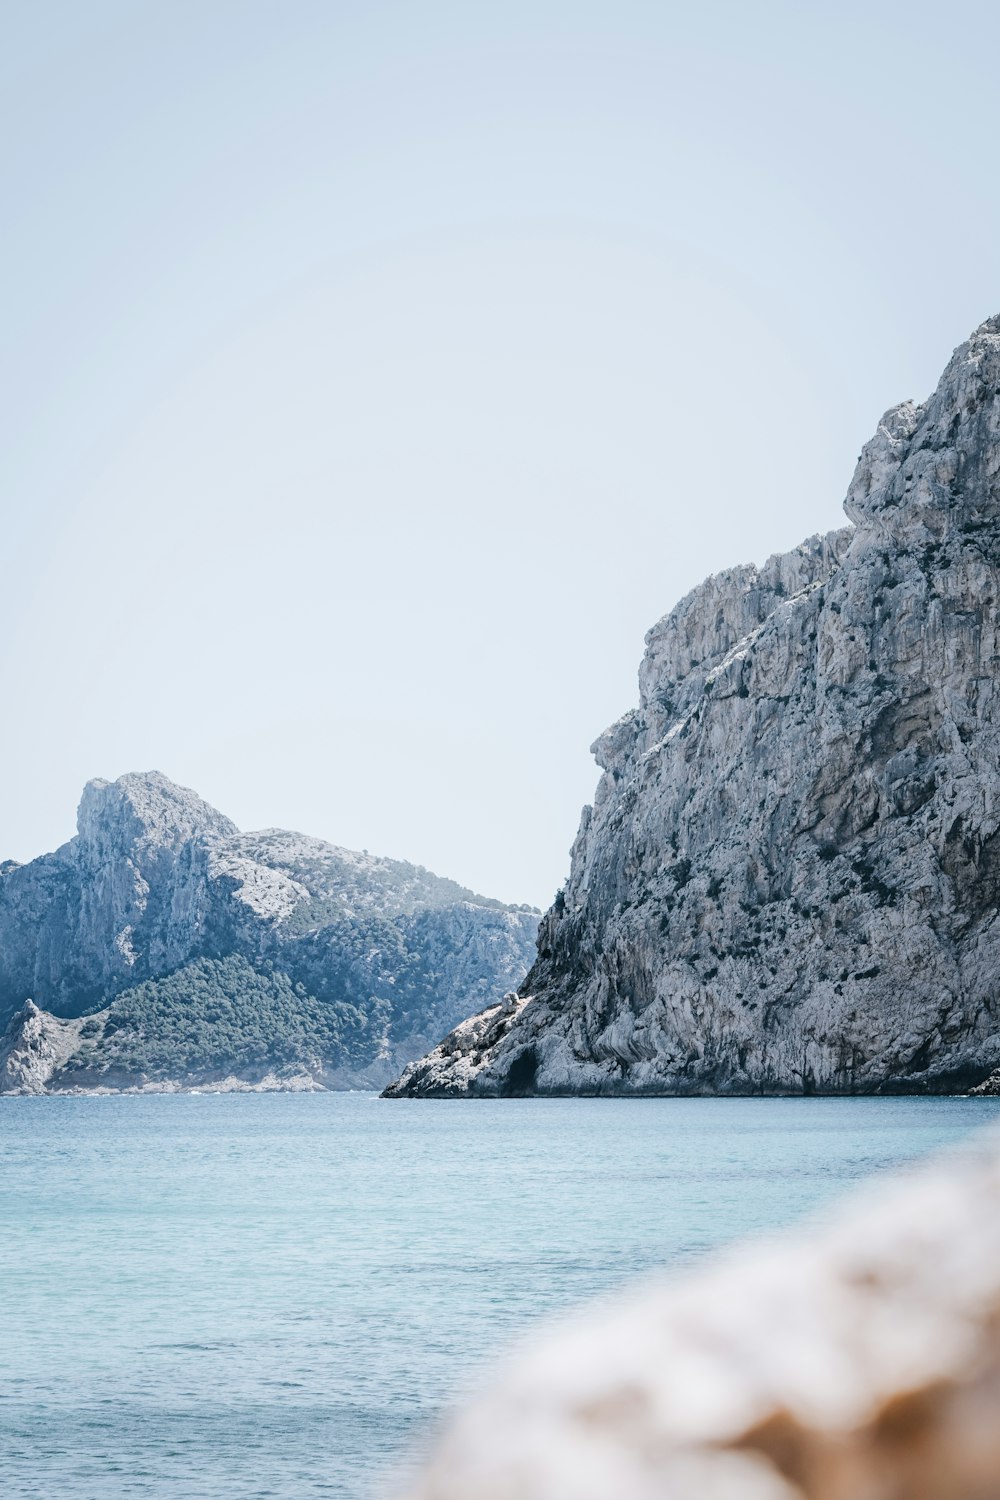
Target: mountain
162,948
789,880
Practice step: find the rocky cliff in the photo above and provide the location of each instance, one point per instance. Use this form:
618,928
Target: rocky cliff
199,953
790,876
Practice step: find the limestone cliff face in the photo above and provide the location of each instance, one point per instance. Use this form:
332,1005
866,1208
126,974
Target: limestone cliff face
33,1048
119,902
790,877
156,878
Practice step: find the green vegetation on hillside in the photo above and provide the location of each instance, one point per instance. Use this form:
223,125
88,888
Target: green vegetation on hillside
218,1016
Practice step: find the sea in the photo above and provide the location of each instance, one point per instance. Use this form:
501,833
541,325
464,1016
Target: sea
214,1296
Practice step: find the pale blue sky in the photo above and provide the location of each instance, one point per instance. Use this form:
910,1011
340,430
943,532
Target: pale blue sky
375,375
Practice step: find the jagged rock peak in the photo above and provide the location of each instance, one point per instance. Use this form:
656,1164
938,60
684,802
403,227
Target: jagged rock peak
710,620
146,807
922,474
790,877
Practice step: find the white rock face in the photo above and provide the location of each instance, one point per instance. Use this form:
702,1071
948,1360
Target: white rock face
156,878
790,876
857,1363
34,1047
108,906
461,1055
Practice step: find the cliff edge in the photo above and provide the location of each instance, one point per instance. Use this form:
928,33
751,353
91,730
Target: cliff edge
789,879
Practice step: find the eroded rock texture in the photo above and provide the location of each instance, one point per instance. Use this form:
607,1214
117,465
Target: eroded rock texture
790,875
857,1363
34,1047
358,962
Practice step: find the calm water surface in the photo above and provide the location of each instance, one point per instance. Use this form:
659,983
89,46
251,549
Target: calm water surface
210,1296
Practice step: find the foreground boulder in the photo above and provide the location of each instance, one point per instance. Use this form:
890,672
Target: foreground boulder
789,880
860,1362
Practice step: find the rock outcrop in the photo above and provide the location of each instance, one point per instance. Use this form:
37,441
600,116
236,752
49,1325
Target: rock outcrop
857,1361
789,880
363,960
34,1048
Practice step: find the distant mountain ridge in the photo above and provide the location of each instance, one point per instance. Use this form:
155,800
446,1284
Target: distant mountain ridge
355,962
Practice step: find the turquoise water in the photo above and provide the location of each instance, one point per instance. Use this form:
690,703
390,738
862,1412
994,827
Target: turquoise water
272,1295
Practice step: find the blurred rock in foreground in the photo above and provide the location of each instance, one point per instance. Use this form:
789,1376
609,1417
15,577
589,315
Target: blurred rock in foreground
856,1362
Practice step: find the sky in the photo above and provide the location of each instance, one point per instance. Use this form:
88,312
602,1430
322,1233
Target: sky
374,376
